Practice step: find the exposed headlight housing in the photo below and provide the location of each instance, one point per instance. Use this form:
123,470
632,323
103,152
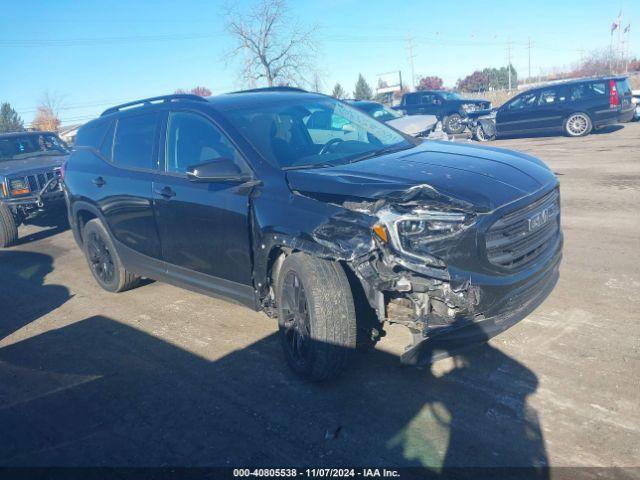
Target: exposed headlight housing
19,186
418,234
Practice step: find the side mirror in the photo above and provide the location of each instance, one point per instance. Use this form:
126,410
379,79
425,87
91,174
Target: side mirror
348,128
222,170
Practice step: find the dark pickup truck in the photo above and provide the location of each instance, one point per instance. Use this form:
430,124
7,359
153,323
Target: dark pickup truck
449,107
30,165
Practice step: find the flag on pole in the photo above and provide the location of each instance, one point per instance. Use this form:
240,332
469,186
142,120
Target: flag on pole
616,23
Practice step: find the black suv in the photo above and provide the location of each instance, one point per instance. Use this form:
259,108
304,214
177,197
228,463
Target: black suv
29,178
334,230
449,107
574,107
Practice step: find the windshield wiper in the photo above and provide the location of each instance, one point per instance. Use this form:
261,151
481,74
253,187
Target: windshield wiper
309,165
377,153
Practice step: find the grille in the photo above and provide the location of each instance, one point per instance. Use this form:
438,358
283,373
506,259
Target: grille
518,238
38,180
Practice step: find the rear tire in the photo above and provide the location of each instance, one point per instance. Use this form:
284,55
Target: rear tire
8,227
452,124
578,124
103,260
316,316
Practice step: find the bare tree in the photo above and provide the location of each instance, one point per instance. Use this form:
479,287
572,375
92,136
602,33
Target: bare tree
48,112
200,91
276,48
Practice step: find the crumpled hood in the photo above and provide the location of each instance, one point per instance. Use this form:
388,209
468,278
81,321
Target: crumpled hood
413,124
485,177
30,165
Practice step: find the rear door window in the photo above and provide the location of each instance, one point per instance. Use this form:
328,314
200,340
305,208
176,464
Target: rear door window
91,135
412,99
135,140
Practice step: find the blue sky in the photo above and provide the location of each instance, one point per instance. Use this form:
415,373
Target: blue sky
99,53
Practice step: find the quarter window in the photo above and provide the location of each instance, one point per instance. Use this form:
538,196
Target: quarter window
192,140
134,140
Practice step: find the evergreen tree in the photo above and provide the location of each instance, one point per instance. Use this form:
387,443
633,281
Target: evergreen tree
10,121
363,90
338,92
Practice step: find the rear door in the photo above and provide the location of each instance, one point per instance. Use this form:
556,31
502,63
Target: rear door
592,97
123,185
204,227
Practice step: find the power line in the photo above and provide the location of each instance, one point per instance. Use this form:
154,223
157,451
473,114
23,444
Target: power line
411,56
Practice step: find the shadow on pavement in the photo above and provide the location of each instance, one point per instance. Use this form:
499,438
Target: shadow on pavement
52,221
101,393
23,295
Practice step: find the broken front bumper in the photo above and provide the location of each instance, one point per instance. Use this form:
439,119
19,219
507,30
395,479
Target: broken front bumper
501,306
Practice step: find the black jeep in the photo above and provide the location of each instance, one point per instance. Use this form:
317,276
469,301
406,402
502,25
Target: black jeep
336,228
449,107
30,165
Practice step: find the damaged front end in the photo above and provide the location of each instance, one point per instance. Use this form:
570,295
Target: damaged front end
422,259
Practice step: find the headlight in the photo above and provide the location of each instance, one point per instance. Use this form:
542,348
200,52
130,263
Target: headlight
469,107
417,235
19,186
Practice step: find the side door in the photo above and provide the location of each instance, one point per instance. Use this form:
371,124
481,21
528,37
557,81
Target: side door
428,104
548,112
122,187
411,103
204,227
513,116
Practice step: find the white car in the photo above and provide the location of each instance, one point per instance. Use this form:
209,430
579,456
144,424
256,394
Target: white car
414,125
636,100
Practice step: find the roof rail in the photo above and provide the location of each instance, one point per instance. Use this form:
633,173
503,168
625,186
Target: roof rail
149,101
273,89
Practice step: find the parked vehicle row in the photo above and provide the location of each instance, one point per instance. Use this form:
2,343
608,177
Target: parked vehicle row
318,214
449,107
574,108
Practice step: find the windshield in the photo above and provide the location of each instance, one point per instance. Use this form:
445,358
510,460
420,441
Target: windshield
382,113
23,146
314,132
450,96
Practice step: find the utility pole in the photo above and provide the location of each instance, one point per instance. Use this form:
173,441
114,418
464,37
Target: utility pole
509,62
411,55
529,49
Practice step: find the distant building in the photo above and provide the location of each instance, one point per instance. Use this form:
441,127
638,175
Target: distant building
68,133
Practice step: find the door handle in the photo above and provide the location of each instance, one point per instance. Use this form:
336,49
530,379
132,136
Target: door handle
99,182
166,192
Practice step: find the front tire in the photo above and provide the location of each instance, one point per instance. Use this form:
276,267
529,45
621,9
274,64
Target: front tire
8,227
103,260
316,316
452,124
481,136
578,125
